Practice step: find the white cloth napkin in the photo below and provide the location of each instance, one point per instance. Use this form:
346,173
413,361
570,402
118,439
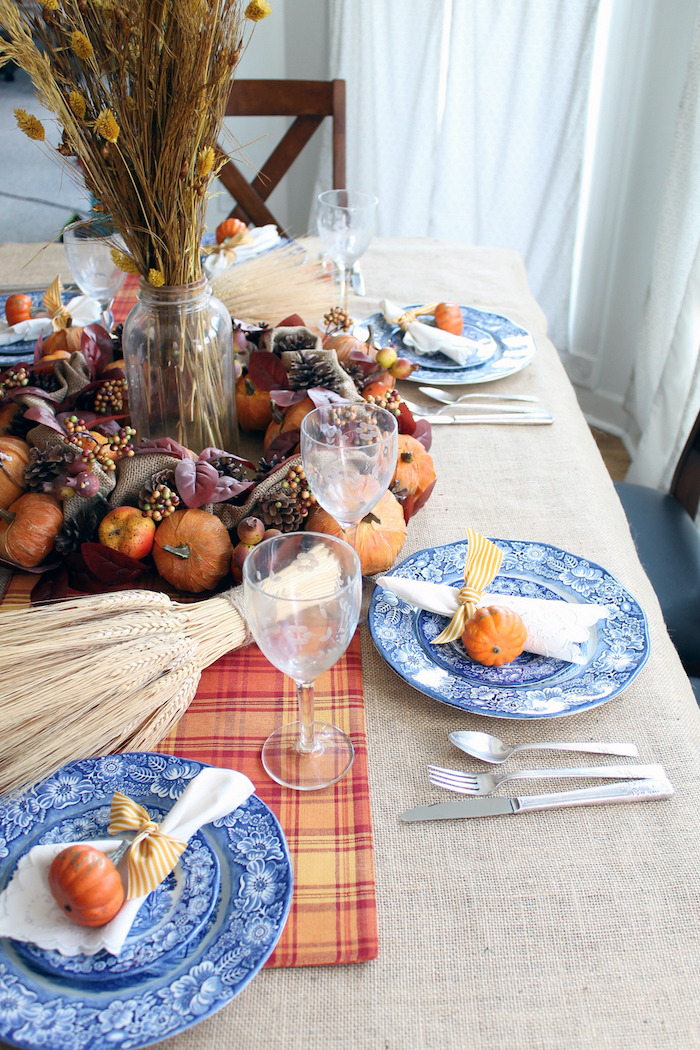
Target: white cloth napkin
82,309
28,912
426,339
554,628
264,237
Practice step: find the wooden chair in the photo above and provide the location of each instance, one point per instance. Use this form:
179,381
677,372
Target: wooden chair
668,544
307,100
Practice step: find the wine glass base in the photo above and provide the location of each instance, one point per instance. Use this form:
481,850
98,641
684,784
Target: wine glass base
286,763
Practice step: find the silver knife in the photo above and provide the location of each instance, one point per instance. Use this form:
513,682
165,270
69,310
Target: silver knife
627,791
540,418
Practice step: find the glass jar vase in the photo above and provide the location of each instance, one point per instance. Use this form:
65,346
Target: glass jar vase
179,360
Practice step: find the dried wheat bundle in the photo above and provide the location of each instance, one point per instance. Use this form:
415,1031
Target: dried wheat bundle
139,88
103,673
272,286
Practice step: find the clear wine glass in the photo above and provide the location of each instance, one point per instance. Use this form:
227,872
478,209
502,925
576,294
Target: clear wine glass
302,594
346,225
88,256
349,454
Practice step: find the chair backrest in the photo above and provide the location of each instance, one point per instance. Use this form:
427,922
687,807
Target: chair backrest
686,480
307,100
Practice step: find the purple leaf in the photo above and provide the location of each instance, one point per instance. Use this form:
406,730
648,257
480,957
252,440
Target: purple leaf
14,395
50,588
424,433
423,498
227,488
285,398
37,349
282,446
213,453
359,357
97,347
111,566
322,397
266,371
195,481
43,414
293,321
87,417
407,424
165,445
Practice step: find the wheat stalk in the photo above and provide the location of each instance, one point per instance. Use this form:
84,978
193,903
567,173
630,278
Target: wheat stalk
272,286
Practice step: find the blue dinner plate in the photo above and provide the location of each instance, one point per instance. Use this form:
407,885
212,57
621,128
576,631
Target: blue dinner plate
508,347
197,940
532,686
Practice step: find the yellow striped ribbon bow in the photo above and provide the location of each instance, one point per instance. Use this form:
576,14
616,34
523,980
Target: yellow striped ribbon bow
152,855
483,562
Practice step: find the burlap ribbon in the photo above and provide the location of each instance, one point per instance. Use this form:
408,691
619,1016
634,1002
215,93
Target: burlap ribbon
483,562
152,854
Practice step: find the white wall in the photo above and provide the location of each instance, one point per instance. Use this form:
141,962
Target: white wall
290,44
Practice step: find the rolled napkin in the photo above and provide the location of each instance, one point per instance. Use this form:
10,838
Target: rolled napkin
28,911
554,628
426,339
219,257
82,309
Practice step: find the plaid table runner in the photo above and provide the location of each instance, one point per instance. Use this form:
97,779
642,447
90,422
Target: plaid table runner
241,699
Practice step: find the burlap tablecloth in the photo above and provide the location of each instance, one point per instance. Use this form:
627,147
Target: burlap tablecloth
561,930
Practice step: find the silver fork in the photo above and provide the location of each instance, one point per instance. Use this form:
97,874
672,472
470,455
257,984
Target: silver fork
485,783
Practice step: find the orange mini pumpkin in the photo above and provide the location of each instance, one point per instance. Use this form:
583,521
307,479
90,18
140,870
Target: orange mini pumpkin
291,420
29,527
229,228
192,550
379,537
494,635
14,456
18,307
448,317
343,343
253,406
86,885
414,467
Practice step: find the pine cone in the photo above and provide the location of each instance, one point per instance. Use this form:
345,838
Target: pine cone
280,511
229,467
299,341
44,466
313,370
19,427
266,467
80,529
356,373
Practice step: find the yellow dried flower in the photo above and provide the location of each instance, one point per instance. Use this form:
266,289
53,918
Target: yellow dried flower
106,126
205,161
77,104
50,5
30,125
156,278
82,48
125,263
257,10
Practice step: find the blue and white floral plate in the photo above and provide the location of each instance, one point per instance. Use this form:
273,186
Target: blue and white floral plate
512,345
198,939
532,686
11,353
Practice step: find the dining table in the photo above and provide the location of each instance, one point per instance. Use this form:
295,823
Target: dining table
576,928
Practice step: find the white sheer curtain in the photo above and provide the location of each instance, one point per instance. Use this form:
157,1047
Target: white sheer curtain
664,396
466,118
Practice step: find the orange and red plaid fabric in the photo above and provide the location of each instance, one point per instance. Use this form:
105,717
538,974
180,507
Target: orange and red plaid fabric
241,699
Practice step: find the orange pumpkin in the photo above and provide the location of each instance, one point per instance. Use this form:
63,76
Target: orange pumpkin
7,414
66,339
253,406
192,550
494,636
448,317
18,308
377,389
14,456
29,527
229,228
414,467
291,420
379,537
86,885
344,344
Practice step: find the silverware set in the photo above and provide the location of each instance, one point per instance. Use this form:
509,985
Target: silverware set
638,782
480,408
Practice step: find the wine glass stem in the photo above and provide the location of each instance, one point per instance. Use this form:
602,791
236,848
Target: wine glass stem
344,281
305,694
350,534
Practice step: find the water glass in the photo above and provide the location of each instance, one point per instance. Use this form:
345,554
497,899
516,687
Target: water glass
302,594
89,259
346,226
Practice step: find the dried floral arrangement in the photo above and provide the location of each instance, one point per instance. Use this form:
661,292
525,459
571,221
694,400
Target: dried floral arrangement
139,89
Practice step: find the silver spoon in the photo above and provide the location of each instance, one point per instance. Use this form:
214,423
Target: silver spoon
490,749
451,399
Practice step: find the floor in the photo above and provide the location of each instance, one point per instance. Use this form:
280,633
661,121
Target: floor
614,453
